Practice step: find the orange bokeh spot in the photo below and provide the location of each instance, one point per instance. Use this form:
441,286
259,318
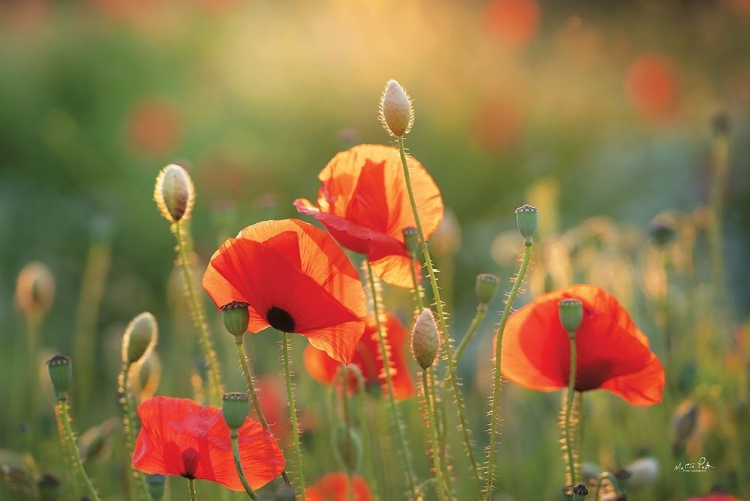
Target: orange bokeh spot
153,127
496,124
513,22
651,86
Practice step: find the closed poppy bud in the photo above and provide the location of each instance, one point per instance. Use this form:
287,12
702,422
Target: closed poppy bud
486,287
396,112
236,317
156,484
285,492
526,219
347,447
684,421
580,492
174,193
424,339
35,289
140,338
571,315
49,487
61,374
234,408
411,240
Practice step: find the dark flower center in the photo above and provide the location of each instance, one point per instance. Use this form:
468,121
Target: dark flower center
190,459
280,319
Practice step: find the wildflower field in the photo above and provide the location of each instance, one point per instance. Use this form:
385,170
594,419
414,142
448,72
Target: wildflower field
490,250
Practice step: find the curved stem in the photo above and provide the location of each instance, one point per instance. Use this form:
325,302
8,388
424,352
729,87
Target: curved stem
441,318
405,451
498,371
293,412
214,375
191,489
234,435
481,312
70,439
568,408
346,404
433,430
239,343
129,424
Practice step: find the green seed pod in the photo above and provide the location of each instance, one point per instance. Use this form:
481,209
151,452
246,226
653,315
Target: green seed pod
411,240
174,193
61,374
140,338
347,447
571,315
234,406
486,288
396,112
580,492
425,341
156,485
236,316
526,219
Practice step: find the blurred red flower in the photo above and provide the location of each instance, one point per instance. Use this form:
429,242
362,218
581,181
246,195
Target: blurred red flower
715,497
651,86
613,353
179,437
369,360
153,127
364,203
497,123
514,22
335,487
295,279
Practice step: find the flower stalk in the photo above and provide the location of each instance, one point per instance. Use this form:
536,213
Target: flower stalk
293,413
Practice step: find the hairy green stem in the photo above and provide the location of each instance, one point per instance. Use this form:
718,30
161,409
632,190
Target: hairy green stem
196,307
568,407
395,415
293,413
64,423
498,367
481,312
234,435
605,476
441,319
191,489
433,430
415,281
239,344
129,424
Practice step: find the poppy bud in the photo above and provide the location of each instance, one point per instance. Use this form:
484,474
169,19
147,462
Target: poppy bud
174,193
580,492
49,487
526,219
140,338
571,315
662,230
234,407
486,288
644,472
35,289
347,447
411,240
622,475
236,317
285,492
396,112
424,339
156,484
684,421
61,374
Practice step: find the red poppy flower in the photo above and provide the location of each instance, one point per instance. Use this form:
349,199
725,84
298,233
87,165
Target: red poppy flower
612,352
367,357
651,86
364,204
514,22
335,487
154,127
715,497
295,279
179,437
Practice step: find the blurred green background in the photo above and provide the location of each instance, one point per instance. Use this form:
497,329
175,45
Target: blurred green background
597,109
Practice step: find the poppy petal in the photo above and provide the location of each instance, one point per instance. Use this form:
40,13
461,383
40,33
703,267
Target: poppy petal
335,487
642,388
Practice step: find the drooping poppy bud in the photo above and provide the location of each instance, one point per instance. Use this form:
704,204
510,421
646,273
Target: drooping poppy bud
61,374
139,338
486,288
526,219
424,339
396,112
174,193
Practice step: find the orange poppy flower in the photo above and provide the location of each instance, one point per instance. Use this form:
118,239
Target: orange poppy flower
718,496
335,487
367,357
652,87
179,437
294,278
364,204
514,22
612,352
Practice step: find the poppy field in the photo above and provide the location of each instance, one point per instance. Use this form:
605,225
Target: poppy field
515,271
